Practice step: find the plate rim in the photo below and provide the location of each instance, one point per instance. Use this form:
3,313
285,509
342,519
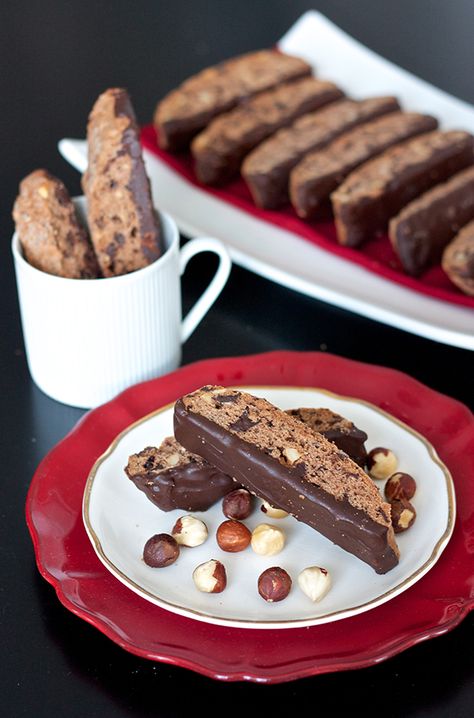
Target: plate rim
272,624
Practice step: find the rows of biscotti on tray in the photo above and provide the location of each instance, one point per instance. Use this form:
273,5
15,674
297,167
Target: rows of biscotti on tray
123,232
298,138
307,463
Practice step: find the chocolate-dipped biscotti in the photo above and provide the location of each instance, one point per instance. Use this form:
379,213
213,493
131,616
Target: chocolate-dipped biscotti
377,190
218,150
266,169
50,234
287,464
458,259
173,478
188,109
320,173
123,224
337,429
423,228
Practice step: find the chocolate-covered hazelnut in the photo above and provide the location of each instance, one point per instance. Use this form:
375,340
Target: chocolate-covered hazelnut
160,550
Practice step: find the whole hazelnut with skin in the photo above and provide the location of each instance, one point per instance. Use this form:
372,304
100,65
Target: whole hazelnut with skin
233,536
273,512
237,504
274,584
210,577
381,463
315,582
189,531
160,550
267,540
400,486
403,515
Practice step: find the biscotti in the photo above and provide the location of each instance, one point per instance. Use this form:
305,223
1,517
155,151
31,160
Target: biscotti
287,464
218,150
337,429
173,478
123,224
320,173
423,228
188,109
375,192
266,169
50,234
458,259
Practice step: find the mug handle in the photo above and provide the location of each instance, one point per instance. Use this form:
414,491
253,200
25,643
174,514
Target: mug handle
209,296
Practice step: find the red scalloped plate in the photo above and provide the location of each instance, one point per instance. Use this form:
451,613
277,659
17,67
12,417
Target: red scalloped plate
65,557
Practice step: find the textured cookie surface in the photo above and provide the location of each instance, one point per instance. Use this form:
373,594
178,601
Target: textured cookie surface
50,234
458,259
188,109
123,224
286,463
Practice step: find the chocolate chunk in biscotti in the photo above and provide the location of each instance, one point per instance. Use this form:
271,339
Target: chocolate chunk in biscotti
337,429
375,192
219,149
423,228
319,173
267,168
50,233
458,259
123,224
188,109
173,478
287,464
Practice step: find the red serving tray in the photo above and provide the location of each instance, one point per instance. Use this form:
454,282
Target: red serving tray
65,557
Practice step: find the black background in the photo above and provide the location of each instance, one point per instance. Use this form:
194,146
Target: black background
55,58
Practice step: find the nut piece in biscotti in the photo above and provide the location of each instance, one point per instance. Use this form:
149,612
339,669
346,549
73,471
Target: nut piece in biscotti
458,259
377,190
188,109
218,150
337,429
267,168
423,228
287,464
123,224
319,173
50,234
173,478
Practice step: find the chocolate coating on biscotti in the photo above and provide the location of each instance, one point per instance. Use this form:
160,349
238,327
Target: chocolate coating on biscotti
173,478
287,464
375,192
218,151
423,228
50,233
267,168
337,429
319,173
458,259
123,224
188,109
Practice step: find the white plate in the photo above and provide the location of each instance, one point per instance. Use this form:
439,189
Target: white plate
119,519
306,268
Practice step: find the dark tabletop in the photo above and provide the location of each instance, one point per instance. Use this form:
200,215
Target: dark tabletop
56,57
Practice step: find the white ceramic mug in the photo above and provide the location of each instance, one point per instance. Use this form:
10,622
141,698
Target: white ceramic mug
88,339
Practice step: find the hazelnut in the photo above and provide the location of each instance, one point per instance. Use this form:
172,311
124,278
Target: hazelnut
267,540
237,504
403,515
273,512
172,459
291,455
274,584
400,486
189,531
210,577
315,582
233,536
160,550
381,463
